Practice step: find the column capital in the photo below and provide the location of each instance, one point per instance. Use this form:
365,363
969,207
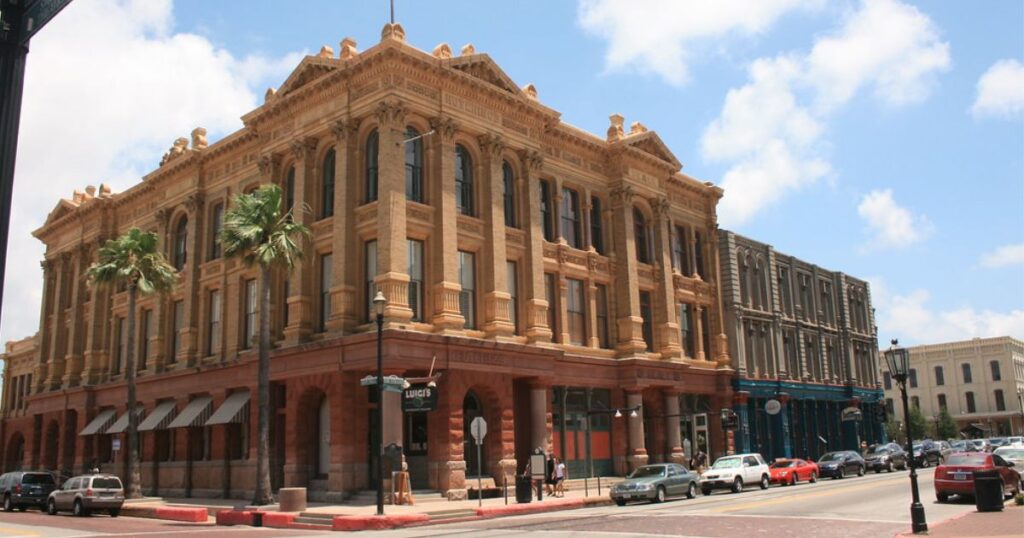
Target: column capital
193,202
343,128
391,113
445,127
622,195
303,148
268,163
492,144
533,159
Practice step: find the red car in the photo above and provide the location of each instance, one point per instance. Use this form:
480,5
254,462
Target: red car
789,472
956,475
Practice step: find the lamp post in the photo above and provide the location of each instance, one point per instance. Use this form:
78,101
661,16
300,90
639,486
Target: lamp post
378,305
898,360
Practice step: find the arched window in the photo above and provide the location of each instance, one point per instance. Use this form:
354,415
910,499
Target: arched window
509,183
640,237
413,166
372,150
327,186
181,244
463,181
571,218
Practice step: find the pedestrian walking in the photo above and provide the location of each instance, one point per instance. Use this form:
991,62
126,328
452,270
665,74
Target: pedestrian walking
560,474
549,475
698,461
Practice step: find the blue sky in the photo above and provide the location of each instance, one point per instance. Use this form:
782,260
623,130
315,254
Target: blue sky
881,138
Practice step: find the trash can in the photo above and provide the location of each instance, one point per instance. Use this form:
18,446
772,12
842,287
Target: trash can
988,490
524,489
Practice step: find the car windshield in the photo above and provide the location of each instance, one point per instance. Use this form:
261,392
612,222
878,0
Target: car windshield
783,464
1011,453
917,446
879,451
656,470
977,460
726,463
37,478
831,456
106,483
997,441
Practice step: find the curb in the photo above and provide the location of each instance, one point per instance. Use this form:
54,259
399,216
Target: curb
363,523
170,513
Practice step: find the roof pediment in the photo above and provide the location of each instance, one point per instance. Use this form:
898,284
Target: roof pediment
484,68
64,207
310,68
650,142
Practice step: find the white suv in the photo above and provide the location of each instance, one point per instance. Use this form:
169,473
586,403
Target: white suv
733,472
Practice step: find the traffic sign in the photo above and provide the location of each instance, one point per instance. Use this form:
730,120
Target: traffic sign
36,15
478,429
115,445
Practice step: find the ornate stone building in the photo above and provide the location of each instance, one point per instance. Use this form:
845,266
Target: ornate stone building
527,260
804,337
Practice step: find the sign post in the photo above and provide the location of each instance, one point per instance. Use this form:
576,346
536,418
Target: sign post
478,428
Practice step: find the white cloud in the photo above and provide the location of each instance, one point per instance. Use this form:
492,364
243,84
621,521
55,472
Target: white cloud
660,36
909,318
1000,90
1004,256
772,131
891,225
109,84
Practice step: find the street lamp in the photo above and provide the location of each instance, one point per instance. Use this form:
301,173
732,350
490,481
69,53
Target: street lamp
378,306
898,359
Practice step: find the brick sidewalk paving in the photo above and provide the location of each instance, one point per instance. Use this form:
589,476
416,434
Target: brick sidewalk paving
1008,522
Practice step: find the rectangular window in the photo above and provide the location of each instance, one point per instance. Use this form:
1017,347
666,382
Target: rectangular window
251,307
216,224
806,303
325,290
826,300
509,195
968,378
915,402
706,332
887,380
467,279
549,294
370,272
680,256
942,402
940,377
698,255
144,333
596,228
1000,402
645,313
286,292
686,330
179,325
787,301
512,280
601,302
571,218
415,260
970,402
576,312
913,378
996,374
213,329
546,213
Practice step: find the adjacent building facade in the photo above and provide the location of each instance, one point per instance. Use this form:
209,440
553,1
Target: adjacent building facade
551,276
980,382
803,337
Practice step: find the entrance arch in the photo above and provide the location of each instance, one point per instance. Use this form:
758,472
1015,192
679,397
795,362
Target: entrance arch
472,408
15,457
50,445
323,436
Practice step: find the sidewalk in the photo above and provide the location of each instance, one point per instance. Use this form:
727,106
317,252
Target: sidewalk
1008,522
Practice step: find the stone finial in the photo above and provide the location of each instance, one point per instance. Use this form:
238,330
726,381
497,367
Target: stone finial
392,31
326,52
467,50
442,51
90,191
348,49
616,131
199,138
177,150
78,196
105,190
531,91
637,128
271,92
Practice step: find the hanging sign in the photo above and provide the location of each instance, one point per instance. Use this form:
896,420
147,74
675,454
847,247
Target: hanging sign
419,399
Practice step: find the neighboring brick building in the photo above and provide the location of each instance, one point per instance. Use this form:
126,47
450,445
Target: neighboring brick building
805,337
979,381
531,258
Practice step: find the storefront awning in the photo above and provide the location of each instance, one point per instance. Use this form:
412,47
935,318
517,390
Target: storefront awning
234,410
121,424
159,418
196,413
99,423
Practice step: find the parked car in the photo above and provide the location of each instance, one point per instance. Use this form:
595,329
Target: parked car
21,489
1015,455
956,476
978,445
655,483
945,449
86,493
927,453
734,472
841,464
886,457
1016,440
961,446
789,472
996,442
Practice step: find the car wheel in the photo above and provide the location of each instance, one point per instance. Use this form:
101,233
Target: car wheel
620,502
22,508
78,509
941,496
114,512
691,491
889,467
860,471
924,463
659,496
793,480
765,482
737,485
51,507
8,506
705,491
814,477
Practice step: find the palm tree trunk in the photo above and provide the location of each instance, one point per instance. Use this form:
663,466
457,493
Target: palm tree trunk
132,489
263,493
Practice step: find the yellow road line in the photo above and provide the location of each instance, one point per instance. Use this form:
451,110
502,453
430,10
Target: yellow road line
8,531
782,500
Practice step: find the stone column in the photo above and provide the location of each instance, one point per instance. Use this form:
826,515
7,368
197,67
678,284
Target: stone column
666,324
49,377
591,299
672,434
46,310
97,349
539,415
627,293
742,435
447,317
698,333
637,449
189,281
73,366
344,268
536,310
300,285
392,241
493,275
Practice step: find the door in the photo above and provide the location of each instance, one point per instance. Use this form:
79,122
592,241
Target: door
323,463
471,409
751,473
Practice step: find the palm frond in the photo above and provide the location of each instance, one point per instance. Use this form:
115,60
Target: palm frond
134,259
256,230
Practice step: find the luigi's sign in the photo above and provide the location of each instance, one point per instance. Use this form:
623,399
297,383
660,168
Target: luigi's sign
419,398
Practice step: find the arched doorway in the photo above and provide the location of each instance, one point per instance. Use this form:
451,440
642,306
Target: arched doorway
323,439
471,408
15,453
50,445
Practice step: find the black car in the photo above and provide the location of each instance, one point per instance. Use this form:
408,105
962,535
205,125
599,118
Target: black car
886,458
841,464
21,489
927,453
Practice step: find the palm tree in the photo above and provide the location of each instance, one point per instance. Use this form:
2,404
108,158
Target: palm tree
134,260
259,231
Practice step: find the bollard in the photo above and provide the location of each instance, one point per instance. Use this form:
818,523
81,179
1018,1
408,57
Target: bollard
506,488
598,486
586,488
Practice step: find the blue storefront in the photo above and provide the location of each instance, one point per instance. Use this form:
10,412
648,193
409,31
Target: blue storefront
807,421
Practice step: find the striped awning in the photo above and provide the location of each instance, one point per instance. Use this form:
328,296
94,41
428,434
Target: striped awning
161,416
121,424
234,410
100,422
196,413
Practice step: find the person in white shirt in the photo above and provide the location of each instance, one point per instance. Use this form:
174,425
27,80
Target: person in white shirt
560,473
